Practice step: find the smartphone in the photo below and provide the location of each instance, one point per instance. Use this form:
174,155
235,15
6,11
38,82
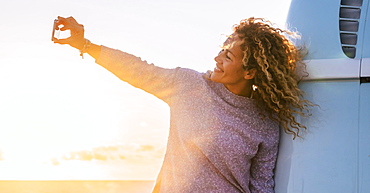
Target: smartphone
55,33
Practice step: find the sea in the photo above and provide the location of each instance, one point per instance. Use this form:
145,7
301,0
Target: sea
76,186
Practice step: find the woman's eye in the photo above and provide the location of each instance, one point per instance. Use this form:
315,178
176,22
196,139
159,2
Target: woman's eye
227,56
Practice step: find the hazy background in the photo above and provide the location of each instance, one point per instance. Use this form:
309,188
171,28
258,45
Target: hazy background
62,117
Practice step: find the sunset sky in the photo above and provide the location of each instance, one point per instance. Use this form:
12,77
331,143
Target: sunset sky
63,117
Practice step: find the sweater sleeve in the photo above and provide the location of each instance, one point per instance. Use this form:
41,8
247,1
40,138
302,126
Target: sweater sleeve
131,69
262,168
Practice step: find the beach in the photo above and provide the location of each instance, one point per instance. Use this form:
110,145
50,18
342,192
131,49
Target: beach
76,186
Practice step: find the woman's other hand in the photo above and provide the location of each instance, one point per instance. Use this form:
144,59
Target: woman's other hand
77,38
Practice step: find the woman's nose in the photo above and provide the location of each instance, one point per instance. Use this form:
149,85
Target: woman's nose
217,59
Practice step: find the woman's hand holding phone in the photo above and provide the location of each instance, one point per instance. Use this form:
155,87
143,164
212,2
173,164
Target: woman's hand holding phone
77,38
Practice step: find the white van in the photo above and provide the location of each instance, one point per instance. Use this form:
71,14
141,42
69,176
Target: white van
334,154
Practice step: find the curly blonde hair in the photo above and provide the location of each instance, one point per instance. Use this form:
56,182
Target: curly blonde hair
273,55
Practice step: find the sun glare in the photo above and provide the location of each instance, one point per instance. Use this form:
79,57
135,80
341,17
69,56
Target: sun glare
129,145
64,118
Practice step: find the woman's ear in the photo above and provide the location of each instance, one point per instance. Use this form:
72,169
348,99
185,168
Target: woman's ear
250,74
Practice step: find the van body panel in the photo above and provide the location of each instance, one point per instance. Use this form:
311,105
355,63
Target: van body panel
333,154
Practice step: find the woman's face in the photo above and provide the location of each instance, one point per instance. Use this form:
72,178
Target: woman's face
229,70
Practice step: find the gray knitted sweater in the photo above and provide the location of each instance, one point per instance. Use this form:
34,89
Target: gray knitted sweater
218,141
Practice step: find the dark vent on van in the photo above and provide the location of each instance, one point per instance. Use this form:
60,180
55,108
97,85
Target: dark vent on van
349,16
357,3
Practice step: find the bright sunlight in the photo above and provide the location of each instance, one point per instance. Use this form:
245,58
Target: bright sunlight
64,118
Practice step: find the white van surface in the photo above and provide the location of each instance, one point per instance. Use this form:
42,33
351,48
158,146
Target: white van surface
334,154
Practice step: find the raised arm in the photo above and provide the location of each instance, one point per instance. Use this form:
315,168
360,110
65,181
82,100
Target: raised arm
129,68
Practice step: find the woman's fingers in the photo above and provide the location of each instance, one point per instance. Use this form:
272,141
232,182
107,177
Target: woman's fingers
63,20
71,19
74,27
68,23
77,38
61,41
76,42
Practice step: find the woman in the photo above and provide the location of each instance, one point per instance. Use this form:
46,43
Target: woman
224,128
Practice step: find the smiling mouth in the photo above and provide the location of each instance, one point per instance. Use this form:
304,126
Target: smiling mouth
217,69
